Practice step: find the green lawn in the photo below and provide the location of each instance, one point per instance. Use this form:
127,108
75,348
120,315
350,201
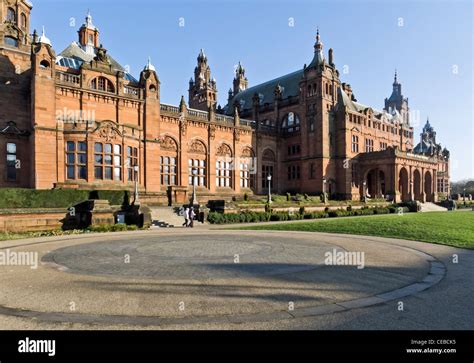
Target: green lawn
448,228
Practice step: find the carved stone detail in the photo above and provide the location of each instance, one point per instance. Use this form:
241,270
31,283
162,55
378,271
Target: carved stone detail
197,147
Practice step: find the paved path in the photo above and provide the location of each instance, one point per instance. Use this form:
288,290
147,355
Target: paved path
204,278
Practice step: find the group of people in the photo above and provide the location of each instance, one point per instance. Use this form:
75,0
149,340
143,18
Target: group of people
189,215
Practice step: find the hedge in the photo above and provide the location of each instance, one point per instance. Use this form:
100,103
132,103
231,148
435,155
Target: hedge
252,217
56,198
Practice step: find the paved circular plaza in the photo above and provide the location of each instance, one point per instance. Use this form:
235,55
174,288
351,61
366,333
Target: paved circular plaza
155,278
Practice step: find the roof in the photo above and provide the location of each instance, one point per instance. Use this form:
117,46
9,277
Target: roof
290,87
74,56
343,100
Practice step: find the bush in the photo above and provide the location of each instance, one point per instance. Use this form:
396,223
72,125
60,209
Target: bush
55,198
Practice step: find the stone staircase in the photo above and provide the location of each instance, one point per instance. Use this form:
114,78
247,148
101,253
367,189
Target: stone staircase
431,207
165,217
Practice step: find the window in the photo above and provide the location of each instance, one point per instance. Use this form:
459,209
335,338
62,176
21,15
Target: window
354,175
11,15
168,170
369,145
11,161
266,171
197,171
291,123
294,149
247,174
223,173
355,143
76,160
11,41
383,146
108,161
23,21
44,64
294,172
131,161
102,84
91,39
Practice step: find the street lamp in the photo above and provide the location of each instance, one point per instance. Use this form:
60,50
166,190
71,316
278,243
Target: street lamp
464,195
269,178
135,193
194,199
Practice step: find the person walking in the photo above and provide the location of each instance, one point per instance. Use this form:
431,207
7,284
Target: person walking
186,217
191,217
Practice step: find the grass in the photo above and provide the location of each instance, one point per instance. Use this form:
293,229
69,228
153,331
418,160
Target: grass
447,228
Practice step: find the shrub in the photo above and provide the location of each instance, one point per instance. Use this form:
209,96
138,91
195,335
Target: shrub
56,198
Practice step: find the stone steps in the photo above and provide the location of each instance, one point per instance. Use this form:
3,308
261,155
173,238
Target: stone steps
431,207
165,217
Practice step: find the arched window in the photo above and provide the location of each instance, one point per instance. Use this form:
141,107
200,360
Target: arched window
102,84
247,168
23,21
11,15
291,123
152,88
11,42
197,165
224,166
44,64
169,162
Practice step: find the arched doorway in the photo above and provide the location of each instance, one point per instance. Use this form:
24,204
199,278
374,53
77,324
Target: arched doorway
371,184
417,185
403,185
428,187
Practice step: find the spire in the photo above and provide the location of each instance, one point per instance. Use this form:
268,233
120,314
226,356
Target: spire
88,22
319,44
202,57
239,70
149,66
43,39
318,58
395,80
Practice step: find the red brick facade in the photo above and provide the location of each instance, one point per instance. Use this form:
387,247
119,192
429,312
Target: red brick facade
79,120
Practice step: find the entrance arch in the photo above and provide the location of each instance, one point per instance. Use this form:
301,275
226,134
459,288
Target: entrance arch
403,185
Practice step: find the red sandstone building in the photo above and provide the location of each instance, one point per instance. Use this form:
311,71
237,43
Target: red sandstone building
77,119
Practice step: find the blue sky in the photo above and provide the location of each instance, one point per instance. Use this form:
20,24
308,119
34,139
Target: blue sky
429,43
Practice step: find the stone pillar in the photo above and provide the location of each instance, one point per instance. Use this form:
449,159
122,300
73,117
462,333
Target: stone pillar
422,190
410,184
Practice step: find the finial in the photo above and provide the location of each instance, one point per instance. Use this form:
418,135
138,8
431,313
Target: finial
395,79
43,39
149,66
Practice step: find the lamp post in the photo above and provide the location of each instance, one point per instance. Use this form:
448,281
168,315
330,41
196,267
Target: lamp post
324,191
464,195
269,178
364,191
135,192
193,198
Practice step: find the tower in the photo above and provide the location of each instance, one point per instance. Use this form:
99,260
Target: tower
240,81
396,102
15,24
88,35
203,89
